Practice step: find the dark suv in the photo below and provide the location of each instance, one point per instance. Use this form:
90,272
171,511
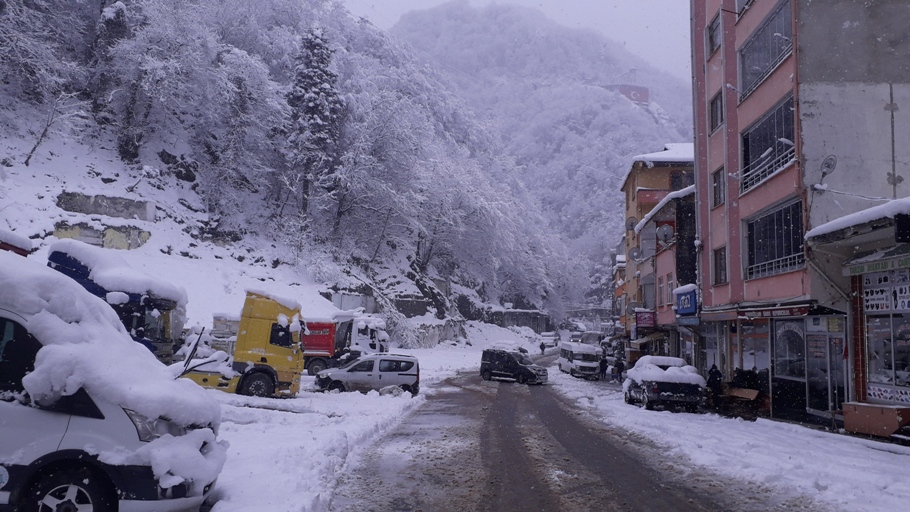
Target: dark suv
504,364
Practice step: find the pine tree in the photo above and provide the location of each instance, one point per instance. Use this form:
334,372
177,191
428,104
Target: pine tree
316,109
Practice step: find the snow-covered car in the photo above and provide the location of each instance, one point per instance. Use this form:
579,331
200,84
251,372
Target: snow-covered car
663,380
373,371
89,419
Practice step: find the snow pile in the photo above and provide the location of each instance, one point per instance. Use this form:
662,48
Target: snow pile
648,369
86,346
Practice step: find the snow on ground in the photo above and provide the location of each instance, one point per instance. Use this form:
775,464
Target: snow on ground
841,472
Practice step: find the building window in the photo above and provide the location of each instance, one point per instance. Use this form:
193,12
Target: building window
768,145
714,35
660,290
769,45
718,188
717,111
720,265
741,6
775,242
670,288
681,179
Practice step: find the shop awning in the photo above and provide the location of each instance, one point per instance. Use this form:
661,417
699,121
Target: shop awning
640,342
894,257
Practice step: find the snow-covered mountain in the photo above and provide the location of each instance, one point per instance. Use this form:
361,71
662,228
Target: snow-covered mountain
555,98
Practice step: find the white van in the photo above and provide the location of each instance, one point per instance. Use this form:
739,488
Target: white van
579,360
89,419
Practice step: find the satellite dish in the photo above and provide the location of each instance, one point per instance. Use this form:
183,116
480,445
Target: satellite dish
631,223
828,165
635,253
665,233
631,307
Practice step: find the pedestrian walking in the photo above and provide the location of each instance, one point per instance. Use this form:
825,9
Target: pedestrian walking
542,347
603,368
620,367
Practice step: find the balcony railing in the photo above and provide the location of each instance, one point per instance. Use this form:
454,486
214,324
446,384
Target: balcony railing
765,166
778,266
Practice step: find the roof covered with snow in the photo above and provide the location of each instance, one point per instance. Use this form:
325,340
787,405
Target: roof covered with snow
690,190
887,210
673,152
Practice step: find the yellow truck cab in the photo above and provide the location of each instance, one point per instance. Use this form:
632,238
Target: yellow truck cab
266,360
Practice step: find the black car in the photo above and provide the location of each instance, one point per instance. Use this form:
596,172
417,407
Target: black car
504,364
666,381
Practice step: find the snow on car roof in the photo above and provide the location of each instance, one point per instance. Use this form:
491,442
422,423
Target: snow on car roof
660,361
112,272
86,346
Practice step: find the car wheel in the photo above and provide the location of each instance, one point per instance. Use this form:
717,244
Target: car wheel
646,403
408,389
627,397
486,375
258,384
522,378
337,385
76,490
315,367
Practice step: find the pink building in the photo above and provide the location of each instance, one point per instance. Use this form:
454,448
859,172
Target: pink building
794,107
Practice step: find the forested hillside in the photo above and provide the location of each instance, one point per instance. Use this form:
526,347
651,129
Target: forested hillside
489,160
544,90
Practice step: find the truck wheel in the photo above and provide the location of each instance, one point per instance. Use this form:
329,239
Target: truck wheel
76,490
336,385
258,384
315,367
486,375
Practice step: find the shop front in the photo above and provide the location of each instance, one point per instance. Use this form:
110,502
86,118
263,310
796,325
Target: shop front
883,342
794,355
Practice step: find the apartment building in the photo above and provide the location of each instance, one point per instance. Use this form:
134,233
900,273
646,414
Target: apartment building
796,118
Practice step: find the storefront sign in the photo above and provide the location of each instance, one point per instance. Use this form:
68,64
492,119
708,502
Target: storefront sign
644,319
877,266
686,303
776,312
687,320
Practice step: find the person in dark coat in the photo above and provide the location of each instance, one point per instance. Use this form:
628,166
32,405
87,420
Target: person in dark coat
715,382
620,367
603,368
542,347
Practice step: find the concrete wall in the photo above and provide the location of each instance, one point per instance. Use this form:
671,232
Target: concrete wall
853,41
103,205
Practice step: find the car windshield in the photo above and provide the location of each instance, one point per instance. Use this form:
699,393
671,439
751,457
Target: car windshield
587,357
350,363
522,358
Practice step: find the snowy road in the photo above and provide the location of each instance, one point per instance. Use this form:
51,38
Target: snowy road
499,446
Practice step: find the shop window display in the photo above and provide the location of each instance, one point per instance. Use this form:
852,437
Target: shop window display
888,337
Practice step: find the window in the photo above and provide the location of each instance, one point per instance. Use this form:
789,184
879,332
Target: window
720,265
769,46
670,288
741,5
717,111
789,349
18,350
388,365
775,242
718,188
281,336
888,339
363,366
660,290
681,179
768,145
714,35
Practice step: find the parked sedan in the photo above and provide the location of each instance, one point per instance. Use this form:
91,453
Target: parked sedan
373,371
661,380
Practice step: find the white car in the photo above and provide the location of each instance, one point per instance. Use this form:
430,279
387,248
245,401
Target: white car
89,419
373,371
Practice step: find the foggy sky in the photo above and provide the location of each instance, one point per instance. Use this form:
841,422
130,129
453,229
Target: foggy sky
656,30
